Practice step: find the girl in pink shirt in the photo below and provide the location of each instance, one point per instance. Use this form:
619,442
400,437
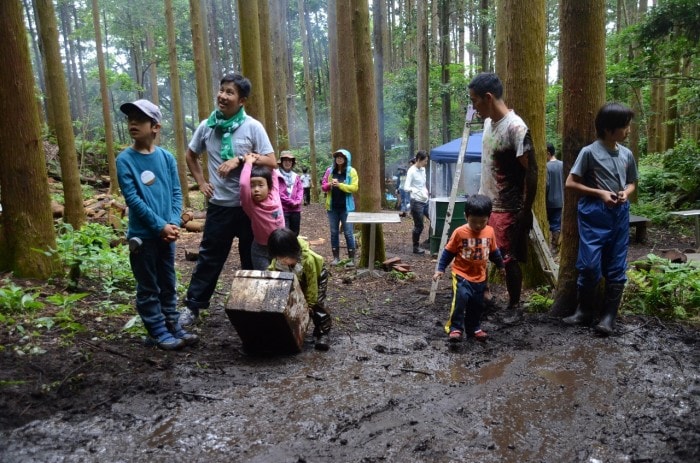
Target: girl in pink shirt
260,199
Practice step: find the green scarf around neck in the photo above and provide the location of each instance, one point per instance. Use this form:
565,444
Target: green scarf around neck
228,126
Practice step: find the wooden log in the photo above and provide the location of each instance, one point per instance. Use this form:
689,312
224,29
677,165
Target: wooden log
196,226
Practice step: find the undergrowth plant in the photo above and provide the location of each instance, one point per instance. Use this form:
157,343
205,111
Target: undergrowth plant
664,289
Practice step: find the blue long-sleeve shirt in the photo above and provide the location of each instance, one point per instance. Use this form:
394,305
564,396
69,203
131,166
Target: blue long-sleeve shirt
151,188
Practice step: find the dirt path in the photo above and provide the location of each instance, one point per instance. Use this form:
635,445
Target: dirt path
390,388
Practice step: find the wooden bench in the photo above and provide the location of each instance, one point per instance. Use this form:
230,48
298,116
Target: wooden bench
640,225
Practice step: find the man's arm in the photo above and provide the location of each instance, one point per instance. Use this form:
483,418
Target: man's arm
196,170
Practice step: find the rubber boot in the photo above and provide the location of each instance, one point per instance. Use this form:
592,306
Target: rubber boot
176,330
351,256
416,246
322,326
554,245
584,311
336,257
613,297
160,337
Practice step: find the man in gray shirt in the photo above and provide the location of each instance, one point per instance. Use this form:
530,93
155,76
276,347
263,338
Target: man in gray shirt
226,136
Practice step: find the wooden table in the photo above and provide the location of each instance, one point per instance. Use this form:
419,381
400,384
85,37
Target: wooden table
692,213
373,218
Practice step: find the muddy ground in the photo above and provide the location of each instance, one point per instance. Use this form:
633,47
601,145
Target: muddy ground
390,389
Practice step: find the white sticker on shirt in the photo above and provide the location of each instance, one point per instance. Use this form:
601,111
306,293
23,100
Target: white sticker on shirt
148,177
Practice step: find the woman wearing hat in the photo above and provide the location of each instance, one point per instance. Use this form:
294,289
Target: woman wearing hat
340,182
291,191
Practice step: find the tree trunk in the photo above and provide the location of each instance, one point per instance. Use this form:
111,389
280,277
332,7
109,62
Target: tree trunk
204,103
26,223
251,58
308,86
268,76
57,91
278,21
346,110
671,120
484,35
38,66
652,124
423,64
502,32
583,89
524,87
175,96
368,157
106,110
445,69
379,22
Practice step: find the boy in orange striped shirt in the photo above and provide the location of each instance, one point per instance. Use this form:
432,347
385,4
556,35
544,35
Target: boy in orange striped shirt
471,246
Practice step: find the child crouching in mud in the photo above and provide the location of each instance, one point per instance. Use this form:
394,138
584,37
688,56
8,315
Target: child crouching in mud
292,254
471,246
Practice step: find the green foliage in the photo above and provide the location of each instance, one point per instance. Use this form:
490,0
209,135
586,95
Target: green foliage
669,181
660,288
87,253
540,301
15,299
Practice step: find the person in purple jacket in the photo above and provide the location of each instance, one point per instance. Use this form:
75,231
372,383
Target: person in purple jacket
291,191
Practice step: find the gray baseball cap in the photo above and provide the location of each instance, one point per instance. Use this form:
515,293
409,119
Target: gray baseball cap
143,106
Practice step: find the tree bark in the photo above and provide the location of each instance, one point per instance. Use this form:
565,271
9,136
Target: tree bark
204,102
26,223
57,91
268,76
524,90
251,58
423,64
106,110
379,11
308,87
583,82
176,97
278,29
445,69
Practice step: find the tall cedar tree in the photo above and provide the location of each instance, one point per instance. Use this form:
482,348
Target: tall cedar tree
268,76
309,99
524,91
583,82
25,223
176,97
57,91
278,36
250,58
423,65
104,93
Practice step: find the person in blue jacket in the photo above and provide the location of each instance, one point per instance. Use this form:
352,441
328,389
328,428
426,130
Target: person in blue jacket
339,183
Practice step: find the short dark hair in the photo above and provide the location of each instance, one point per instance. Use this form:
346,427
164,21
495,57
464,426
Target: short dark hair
487,82
550,149
478,205
283,242
612,116
242,83
264,172
421,154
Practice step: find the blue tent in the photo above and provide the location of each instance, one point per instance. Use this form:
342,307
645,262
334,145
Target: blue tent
443,162
449,151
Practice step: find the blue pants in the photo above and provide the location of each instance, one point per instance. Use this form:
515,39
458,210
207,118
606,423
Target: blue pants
335,219
153,264
405,200
554,218
222,225
603,242
467,305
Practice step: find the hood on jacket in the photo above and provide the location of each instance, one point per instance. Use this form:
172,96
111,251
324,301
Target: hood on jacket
346,153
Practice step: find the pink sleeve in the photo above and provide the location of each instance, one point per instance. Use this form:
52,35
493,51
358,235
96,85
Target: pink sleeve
245,192
325,185
297,192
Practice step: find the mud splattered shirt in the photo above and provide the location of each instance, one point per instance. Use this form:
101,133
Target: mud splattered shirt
502,175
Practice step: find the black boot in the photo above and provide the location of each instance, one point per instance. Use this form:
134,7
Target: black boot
584,311
322,327
351,256
613,297
336,257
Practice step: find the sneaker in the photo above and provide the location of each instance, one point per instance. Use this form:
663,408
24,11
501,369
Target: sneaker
322,343
189,317
455,336
418,250
176,329
480,335
165,340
